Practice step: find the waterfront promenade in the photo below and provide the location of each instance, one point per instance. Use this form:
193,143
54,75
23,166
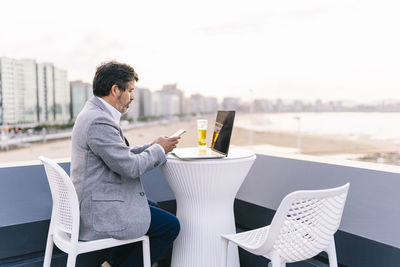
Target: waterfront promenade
262,141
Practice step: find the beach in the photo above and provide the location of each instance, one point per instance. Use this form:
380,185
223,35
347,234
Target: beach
311,144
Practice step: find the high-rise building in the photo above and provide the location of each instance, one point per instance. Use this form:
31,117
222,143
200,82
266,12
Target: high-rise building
157,108
62,97
172,90
298,106
263,105
18,87
197,103
210,104
53,93
45,92
231,103
80,93
145,106
165,104
172,105
134,108
187,107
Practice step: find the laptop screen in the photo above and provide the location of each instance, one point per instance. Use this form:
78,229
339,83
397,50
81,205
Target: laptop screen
223,130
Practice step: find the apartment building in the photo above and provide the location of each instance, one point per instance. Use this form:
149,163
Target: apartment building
80,93
145,106
18,91
53,93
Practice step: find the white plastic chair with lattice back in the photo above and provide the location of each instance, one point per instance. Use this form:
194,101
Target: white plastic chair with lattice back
302,227
64,224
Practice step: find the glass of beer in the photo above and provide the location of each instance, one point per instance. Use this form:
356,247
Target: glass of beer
202,131
218,127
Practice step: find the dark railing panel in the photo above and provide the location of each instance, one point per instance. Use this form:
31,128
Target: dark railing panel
25,211
372,209
25,207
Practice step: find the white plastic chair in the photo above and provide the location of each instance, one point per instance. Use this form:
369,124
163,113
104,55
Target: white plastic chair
64,224
302,227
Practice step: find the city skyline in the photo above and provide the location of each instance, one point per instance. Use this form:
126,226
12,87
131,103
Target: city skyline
31,92
34,92
305,50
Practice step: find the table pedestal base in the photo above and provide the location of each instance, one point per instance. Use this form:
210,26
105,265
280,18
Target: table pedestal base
205,191
199,243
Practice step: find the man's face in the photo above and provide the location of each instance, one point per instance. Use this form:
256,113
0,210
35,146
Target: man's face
125,98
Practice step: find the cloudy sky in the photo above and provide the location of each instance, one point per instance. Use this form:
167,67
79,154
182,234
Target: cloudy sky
296,49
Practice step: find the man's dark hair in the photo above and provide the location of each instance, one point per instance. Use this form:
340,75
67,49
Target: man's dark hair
110,73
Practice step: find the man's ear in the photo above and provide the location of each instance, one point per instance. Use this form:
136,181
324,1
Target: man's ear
114,90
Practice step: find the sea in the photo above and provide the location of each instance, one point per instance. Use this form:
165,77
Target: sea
346,125
351,125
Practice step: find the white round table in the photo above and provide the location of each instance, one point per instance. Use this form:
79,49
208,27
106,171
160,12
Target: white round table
205,191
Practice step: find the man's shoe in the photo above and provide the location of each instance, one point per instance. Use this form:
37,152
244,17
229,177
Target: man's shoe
105,264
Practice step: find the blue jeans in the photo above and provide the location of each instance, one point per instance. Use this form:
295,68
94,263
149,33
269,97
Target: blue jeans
163,230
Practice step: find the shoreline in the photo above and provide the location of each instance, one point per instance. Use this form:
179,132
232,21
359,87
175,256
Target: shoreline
310,144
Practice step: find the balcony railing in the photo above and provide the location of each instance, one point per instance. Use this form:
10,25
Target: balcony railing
368,235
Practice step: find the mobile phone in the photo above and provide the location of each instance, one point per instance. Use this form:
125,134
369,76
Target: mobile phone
178,133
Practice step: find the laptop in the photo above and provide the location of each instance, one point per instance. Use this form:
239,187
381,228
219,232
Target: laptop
220,141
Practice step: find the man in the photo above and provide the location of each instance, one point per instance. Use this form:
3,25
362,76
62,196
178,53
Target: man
106,172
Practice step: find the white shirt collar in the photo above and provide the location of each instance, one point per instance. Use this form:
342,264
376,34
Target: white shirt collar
114,112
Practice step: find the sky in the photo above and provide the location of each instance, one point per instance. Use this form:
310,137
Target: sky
290,49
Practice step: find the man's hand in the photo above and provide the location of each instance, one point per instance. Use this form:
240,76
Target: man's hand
168,143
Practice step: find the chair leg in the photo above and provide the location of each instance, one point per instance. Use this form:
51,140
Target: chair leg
331,250
146,253
224,252
71,260
49,251
275,260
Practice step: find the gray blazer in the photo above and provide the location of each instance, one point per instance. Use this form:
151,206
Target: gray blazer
106,174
